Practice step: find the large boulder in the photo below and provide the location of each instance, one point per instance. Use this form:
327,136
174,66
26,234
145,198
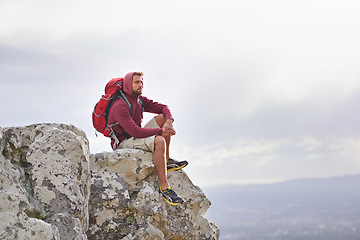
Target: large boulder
45,182
51,187
125,202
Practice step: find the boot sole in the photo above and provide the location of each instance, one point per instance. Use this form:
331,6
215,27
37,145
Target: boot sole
178,168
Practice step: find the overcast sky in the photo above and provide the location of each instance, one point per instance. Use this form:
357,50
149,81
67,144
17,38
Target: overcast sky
261,91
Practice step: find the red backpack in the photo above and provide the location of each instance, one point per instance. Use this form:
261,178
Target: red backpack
113,91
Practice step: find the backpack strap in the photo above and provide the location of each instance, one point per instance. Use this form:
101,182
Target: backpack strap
113,135
124,98
141,102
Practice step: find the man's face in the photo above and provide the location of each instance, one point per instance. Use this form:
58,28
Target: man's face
138,85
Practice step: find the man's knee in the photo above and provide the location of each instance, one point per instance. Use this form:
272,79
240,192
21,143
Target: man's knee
160,119
160,142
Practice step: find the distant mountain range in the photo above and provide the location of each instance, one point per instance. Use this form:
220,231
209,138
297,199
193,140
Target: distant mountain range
304,209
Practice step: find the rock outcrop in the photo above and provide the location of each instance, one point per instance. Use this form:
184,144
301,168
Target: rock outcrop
51,187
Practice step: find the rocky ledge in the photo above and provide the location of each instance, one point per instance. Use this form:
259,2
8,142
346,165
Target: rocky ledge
51,187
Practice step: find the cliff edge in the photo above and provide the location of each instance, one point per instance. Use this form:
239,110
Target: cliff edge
51,187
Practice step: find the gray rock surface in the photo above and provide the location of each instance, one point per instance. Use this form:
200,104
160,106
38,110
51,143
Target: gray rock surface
51,187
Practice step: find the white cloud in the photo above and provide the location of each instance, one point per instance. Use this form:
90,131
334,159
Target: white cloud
263,161
309,143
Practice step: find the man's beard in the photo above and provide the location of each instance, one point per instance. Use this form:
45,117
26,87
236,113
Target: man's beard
137,93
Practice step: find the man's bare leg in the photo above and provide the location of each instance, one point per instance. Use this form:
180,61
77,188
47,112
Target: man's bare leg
160,161
160,120
160,158
168,131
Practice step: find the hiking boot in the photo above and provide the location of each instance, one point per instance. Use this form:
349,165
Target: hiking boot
171,197
175,165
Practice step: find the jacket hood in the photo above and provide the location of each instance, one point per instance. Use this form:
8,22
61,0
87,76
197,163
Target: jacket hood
128,83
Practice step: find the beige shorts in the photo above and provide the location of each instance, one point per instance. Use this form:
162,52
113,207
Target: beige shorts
146,144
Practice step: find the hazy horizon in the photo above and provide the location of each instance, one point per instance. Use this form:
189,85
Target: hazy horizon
321,209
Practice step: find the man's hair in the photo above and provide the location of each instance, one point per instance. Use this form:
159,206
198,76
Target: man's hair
139,73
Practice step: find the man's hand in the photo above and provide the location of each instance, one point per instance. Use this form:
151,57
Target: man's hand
168,128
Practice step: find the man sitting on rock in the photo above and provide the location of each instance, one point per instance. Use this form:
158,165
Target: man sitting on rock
155,136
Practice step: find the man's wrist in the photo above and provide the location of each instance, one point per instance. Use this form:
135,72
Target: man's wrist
170,119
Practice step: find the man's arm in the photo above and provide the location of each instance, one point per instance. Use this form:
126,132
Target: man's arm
122,116
155,107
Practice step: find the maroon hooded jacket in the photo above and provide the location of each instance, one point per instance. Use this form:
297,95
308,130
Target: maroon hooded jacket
130,126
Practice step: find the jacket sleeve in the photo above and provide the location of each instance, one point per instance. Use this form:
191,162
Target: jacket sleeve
122,116
155,107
